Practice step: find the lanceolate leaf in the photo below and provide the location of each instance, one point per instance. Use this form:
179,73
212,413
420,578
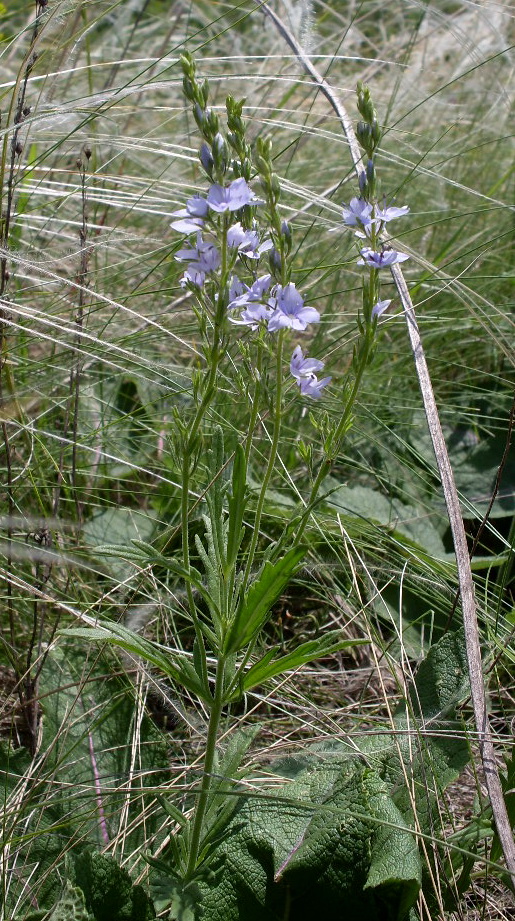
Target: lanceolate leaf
270,667
170,662
262,594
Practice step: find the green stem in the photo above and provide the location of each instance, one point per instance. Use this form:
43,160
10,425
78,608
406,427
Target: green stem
270,464
209,757
255,402
327,463
215,356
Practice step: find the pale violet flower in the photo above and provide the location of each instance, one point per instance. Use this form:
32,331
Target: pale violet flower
202,258
240,295
381,260
251,302
312,387
389,214
247,242
193,276
303,370
301,367
252,315
192,216
236,289
359,212
362,214
380,308
290,311
235,196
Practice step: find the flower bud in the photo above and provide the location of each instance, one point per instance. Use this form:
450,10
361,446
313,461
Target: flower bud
199,114
264,148
275,262
286,235
187,63
246,168
371,179
220,152
365,104
188,88
262,165
364,136
375,132
206,159
211,123
203,92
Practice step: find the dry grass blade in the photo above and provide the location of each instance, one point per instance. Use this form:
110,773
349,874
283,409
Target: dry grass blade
468,601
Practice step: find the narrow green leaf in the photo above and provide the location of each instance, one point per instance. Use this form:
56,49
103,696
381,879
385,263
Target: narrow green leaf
172,811
306,652
262,594
170,662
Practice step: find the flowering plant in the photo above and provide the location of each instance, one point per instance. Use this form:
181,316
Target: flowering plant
235,228
244,310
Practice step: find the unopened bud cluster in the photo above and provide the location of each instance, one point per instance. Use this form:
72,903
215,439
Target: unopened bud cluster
280,230
219,154
368,134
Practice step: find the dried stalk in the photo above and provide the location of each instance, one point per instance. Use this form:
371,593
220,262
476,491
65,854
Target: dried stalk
468,602
12,149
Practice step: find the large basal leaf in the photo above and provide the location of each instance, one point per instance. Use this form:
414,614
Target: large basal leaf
339,840
70,907
118,526
109,892
429,743
320,848
475,457
89,785
89,731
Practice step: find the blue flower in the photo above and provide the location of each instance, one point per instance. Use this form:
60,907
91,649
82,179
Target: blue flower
380,308
290,310
247,242
193,276
389,214
301,367
381,260
303,370
194,213
235,196
312,387
255,307
240,295
359,212
252,315
203,258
